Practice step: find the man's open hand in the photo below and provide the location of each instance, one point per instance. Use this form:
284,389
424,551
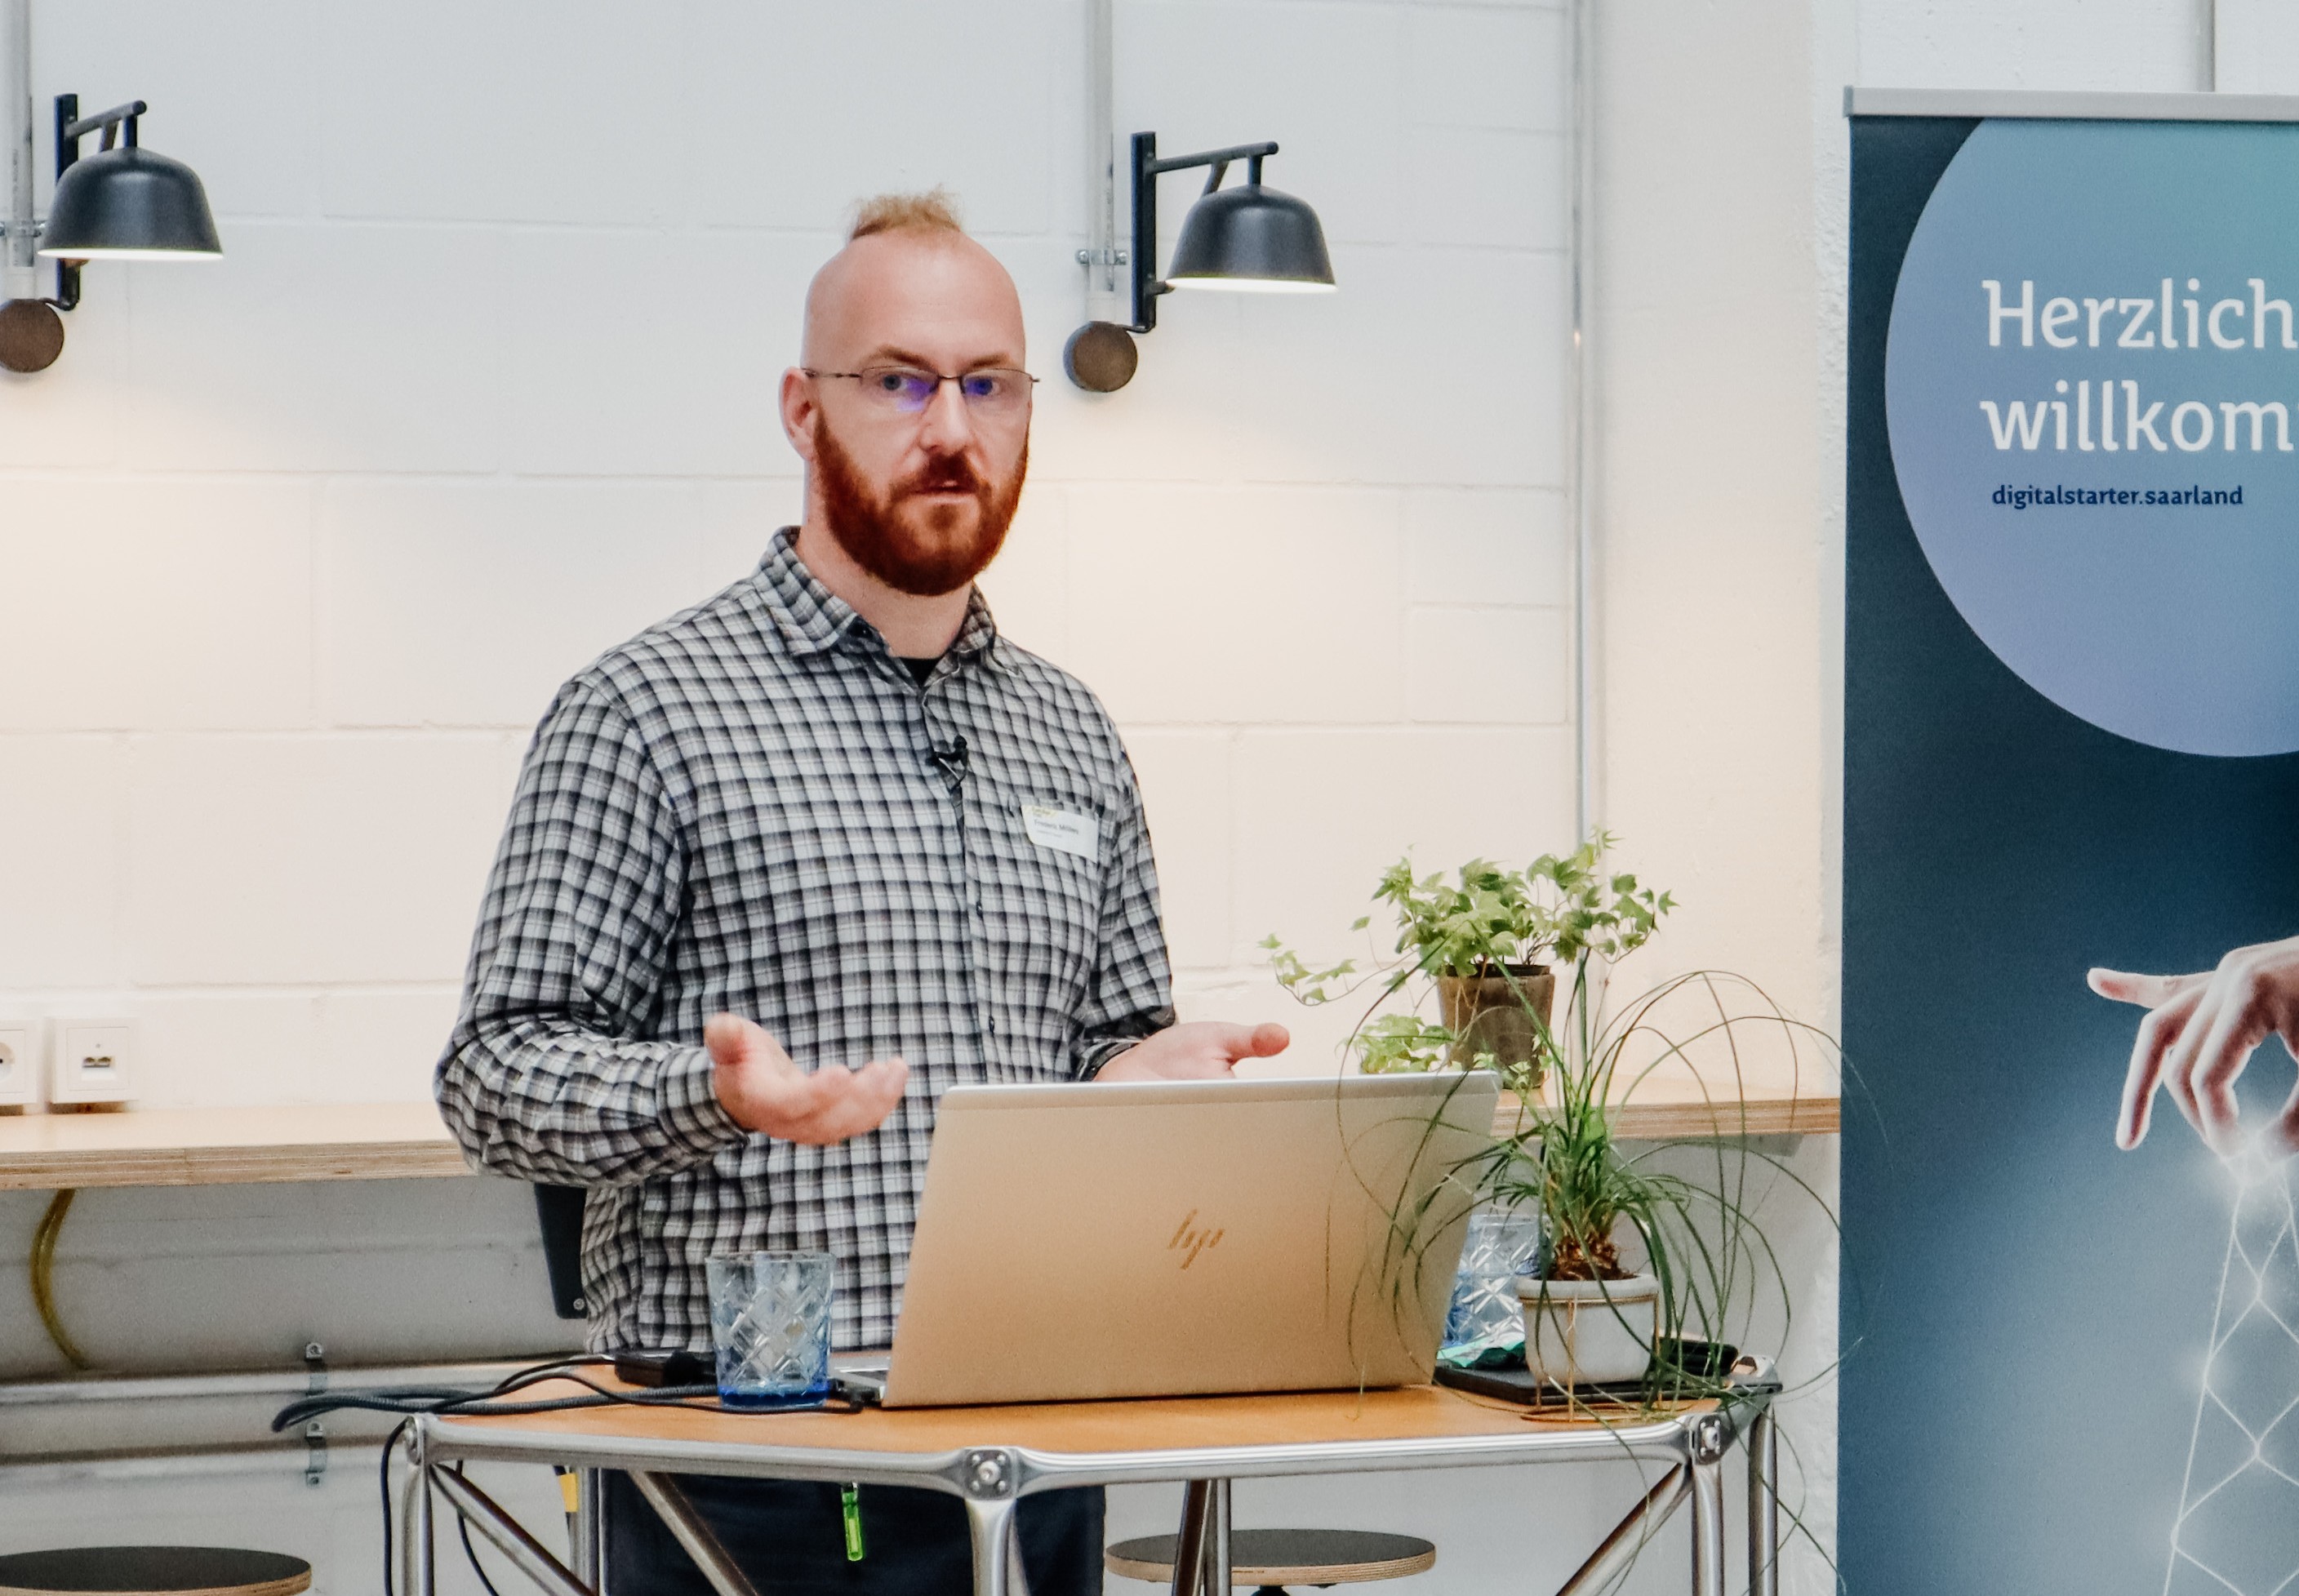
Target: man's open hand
765,1091
1202,1050
2200,1032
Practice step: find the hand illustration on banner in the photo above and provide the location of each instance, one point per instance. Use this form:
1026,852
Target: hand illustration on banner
2200,1032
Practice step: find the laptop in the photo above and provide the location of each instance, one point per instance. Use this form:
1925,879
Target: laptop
1135,1239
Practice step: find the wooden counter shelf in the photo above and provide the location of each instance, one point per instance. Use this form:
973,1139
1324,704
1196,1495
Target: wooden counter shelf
1668,1109
213,1147
404,1141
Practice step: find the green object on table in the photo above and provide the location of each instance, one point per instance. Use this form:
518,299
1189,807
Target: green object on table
849,1507
1505,1354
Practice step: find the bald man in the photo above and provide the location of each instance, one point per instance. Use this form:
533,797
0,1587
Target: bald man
786,867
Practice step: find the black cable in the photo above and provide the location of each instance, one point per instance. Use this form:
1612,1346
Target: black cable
383,1478
447,1401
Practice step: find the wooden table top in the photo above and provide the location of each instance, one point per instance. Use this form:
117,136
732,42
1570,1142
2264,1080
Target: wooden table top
1172,1424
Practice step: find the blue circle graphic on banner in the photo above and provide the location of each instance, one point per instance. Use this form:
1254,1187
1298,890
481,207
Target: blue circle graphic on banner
2114,511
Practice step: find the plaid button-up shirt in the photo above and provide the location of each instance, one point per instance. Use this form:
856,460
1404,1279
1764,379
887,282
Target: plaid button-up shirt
753,806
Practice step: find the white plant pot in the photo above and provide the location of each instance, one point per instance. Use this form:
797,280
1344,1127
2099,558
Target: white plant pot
1588,1332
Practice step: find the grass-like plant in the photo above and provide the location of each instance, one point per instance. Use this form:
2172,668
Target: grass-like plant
1684,1210
1562,1158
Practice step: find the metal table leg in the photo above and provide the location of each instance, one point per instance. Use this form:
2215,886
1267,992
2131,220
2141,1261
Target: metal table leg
1708,1528
694,1531
1762,1443
591,1529
1217,1531
992,1522
1631,1535
480,1511
415,1557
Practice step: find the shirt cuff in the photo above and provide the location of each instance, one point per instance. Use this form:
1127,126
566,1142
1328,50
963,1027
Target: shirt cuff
1101,1052
688,1104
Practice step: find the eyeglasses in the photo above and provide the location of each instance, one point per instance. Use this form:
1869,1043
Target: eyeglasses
996,393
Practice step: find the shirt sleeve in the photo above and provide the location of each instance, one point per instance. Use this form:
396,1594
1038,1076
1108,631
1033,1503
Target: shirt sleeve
1131,996
547,1076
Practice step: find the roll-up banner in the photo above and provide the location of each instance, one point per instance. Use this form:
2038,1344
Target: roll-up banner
2072,740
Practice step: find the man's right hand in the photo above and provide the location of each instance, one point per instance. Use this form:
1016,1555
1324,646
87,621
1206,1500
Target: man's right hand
764,1091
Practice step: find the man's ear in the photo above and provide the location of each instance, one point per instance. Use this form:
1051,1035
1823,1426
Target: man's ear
798,410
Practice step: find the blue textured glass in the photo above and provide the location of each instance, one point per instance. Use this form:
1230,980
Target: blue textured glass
1485,1310
770,1325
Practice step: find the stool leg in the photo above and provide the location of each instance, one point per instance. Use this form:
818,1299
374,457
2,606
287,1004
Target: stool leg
1190,1543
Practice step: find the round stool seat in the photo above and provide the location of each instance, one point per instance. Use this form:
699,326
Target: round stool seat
1270,1557
153,1571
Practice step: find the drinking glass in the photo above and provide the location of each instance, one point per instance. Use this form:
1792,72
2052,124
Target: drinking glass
770,1324
1502,1245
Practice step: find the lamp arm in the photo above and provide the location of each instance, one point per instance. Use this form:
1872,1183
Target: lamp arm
105,121
1147,169
1236,152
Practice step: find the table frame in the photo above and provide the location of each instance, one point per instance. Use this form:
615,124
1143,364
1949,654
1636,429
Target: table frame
993,1479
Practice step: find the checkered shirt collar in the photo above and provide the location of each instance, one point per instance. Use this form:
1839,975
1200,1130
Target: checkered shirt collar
812,619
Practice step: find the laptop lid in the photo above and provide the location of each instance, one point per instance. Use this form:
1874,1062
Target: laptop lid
1190,1237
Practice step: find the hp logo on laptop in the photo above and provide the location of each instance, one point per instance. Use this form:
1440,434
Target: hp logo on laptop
1192,1239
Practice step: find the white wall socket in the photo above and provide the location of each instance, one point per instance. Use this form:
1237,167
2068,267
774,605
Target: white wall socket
20,1063
92,1060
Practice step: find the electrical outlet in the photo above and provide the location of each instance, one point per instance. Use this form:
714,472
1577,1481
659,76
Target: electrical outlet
94,1061
19,1063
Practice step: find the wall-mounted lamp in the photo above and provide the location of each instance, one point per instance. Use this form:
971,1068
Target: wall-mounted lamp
124,203
1249,238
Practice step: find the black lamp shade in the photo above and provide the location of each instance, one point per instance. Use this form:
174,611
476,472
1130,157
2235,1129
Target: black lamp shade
1251,236
130,203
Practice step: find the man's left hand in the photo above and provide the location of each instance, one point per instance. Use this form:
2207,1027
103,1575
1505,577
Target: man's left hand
1202,1050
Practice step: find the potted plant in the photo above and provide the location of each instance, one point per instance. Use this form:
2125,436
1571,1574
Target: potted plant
1485,941
1637,1257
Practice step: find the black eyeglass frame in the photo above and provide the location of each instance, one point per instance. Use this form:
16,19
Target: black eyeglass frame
940,377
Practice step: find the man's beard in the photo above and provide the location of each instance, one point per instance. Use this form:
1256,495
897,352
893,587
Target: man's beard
927,550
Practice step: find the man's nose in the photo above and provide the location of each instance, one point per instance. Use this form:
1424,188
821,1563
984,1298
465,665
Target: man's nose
947,426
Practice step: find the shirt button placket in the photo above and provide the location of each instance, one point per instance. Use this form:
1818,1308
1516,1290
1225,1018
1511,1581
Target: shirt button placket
958,860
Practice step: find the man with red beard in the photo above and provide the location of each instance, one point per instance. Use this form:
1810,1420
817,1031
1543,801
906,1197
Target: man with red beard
787,867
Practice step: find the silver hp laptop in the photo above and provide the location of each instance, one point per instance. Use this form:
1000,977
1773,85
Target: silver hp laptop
1173,1238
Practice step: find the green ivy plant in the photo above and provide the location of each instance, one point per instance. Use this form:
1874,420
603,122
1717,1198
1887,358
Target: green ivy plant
1487,920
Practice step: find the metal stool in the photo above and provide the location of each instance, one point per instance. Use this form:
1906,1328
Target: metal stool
1270,1559
153,1571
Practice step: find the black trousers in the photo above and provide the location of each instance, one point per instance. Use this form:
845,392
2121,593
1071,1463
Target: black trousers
789,1536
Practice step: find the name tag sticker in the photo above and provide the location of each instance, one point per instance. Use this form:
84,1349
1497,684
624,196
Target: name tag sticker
1063,830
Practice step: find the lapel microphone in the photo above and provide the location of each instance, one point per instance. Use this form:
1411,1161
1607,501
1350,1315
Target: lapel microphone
951,759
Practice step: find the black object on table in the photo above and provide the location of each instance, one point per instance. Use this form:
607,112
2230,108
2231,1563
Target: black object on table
153,1571
1270,1559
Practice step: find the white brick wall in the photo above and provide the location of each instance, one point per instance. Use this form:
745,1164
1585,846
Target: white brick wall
296,546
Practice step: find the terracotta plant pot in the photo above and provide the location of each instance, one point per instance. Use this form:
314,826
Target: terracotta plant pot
1492,1014
1588,1332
